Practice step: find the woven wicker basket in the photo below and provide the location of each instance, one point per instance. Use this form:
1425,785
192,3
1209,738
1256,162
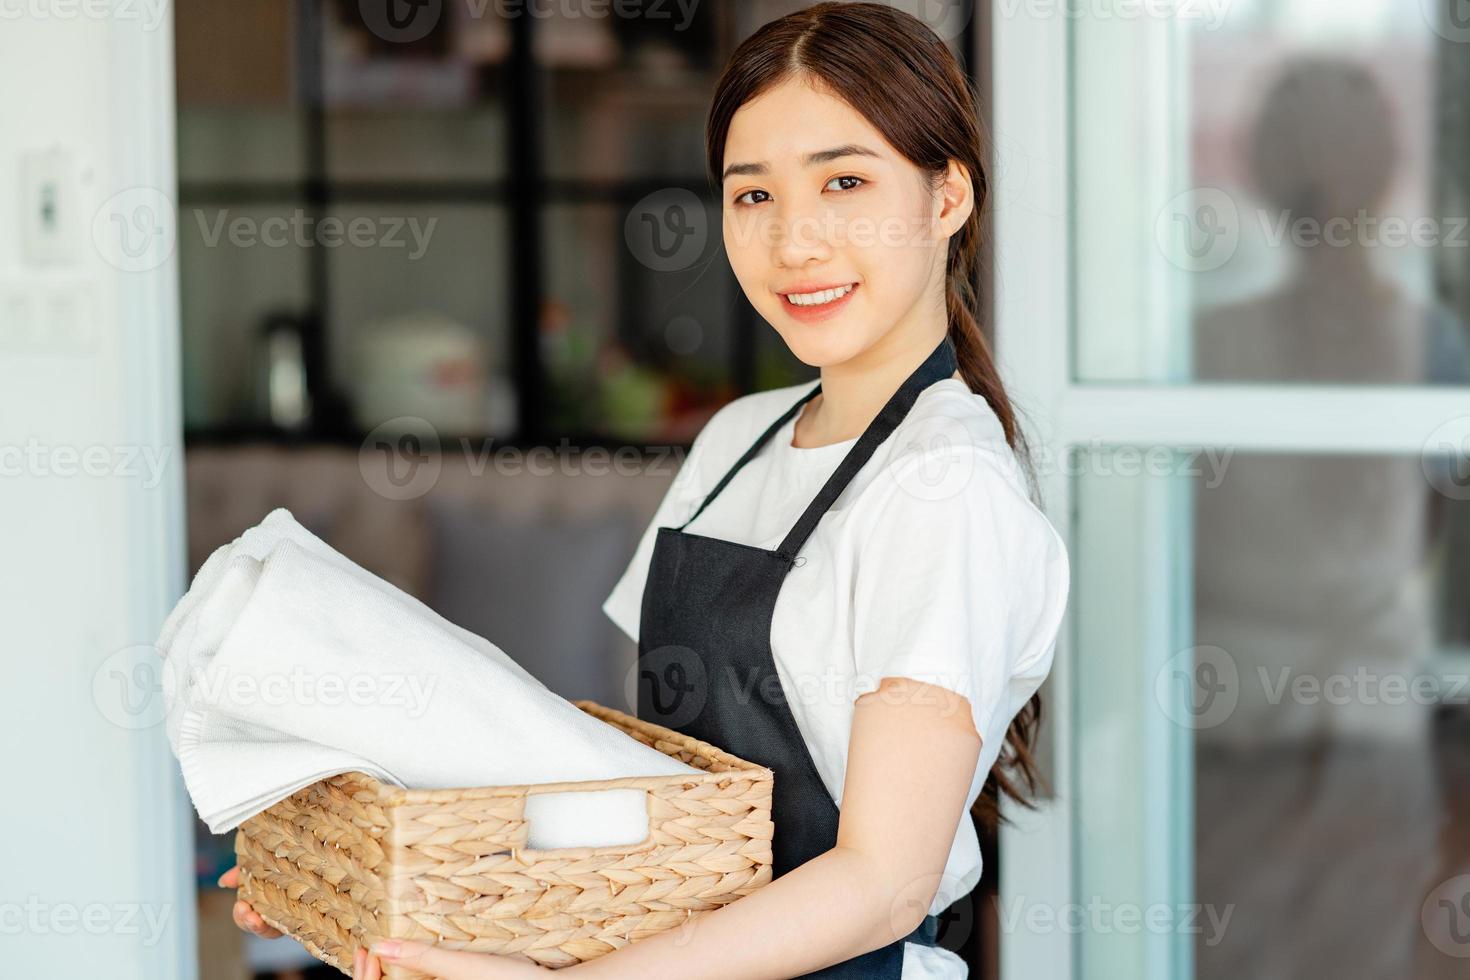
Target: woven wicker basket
350,860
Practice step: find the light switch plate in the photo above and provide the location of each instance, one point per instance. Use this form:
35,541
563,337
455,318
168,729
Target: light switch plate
49,206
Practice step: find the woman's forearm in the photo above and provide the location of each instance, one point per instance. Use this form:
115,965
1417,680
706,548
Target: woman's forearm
834,907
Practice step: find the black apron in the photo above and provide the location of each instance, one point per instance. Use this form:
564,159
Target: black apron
705,667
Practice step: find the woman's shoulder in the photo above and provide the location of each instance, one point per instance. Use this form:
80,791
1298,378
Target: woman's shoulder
950,408
949,423
950,453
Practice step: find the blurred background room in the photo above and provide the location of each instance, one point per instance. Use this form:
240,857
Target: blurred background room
446,280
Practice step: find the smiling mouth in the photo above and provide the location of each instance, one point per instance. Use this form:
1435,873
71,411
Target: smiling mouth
819,298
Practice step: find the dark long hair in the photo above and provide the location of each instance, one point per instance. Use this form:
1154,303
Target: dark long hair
889,66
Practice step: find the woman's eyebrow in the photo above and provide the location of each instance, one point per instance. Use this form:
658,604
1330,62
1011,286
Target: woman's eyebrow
810,160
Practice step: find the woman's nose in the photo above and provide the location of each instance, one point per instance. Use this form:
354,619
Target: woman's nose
800,235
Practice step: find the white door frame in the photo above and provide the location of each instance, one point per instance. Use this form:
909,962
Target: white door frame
1037,316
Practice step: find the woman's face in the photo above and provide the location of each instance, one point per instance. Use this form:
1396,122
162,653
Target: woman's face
860,220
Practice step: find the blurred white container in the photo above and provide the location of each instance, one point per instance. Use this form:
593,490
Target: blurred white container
426,365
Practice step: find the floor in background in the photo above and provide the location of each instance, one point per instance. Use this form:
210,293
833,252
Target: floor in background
1327,854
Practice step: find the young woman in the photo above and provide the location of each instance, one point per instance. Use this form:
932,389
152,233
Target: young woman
847,581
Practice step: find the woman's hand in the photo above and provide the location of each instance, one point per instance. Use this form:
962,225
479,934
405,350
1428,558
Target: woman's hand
245,916
445,963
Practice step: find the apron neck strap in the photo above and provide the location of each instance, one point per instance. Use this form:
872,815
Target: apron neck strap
749,454
940,364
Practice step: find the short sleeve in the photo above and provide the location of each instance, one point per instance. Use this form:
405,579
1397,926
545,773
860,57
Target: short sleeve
961,582
625,603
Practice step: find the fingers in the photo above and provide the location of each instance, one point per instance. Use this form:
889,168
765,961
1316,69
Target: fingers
249,920
246,917
365,966
444,963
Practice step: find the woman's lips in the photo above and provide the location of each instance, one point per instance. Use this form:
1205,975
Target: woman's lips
823,311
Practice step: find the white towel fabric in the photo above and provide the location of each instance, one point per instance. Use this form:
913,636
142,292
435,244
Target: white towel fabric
288,663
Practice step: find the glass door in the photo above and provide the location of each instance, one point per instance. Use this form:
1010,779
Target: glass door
1233,289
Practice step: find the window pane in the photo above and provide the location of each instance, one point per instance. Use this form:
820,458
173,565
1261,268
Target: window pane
1273,713
637,342
240,143
1332,587
1290,202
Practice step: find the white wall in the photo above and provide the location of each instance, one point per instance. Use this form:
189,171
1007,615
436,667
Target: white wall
95,832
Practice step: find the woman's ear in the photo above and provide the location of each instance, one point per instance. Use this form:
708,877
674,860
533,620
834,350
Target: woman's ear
957,198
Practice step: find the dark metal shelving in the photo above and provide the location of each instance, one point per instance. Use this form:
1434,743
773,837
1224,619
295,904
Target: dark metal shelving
525,192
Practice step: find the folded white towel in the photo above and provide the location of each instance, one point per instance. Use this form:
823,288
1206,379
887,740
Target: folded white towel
290,663
280,525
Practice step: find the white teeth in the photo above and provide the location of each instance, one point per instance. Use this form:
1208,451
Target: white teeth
817,299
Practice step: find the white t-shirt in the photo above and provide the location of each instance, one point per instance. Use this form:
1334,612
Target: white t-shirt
932,564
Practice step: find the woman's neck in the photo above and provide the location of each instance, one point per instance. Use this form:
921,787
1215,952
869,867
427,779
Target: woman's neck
854,391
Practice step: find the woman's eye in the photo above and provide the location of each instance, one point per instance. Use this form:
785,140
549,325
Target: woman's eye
855,182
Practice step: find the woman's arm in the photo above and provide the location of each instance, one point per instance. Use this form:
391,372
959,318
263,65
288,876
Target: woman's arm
913,753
